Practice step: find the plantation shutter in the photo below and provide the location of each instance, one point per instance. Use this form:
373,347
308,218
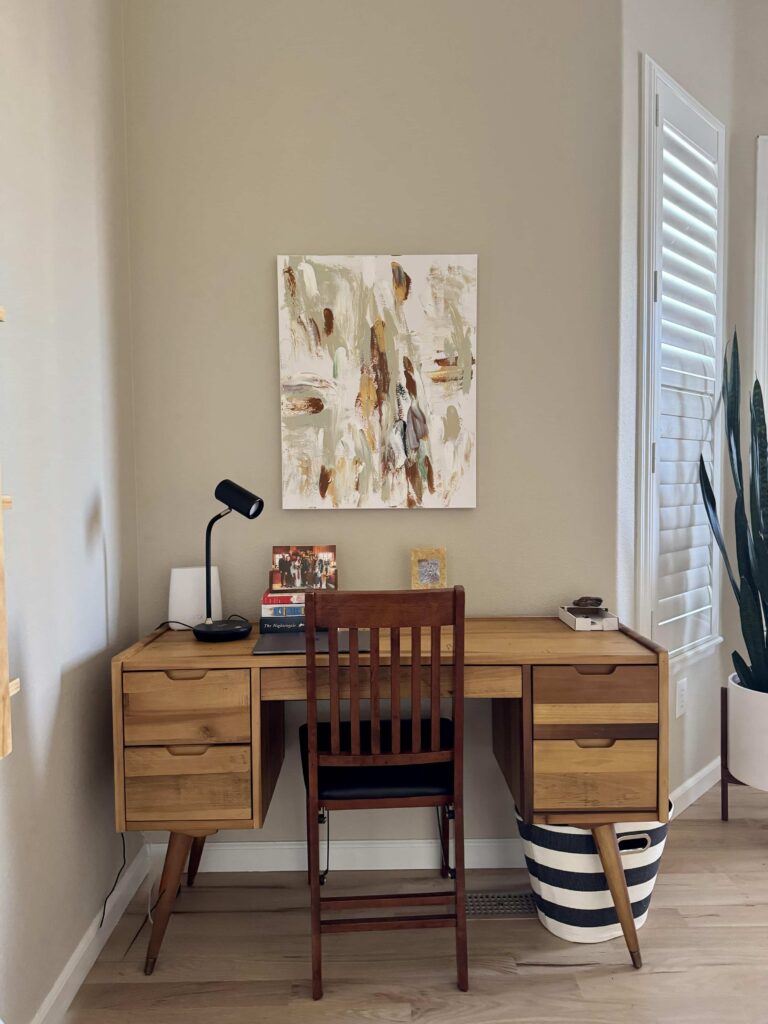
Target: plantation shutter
686,343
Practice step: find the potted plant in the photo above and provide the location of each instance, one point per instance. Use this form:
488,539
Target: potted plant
748,686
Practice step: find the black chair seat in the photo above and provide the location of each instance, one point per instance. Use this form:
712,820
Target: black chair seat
386,781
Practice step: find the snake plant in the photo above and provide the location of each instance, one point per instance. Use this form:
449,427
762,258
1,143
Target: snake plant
750,580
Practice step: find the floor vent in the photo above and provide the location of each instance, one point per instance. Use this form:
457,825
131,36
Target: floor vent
501,904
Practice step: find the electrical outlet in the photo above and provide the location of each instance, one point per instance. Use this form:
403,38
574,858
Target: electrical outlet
681,694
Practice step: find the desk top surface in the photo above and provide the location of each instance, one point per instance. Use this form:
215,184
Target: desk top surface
488,641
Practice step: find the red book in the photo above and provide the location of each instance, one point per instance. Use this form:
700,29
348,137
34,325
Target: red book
282,597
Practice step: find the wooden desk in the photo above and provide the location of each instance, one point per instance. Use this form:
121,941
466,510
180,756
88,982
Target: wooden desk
579,732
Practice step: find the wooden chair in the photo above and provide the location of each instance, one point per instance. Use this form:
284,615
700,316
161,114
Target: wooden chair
400,761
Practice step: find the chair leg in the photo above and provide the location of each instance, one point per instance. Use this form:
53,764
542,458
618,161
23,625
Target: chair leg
462,971
313,832
195,855
309,846
175,859
444,843
608,848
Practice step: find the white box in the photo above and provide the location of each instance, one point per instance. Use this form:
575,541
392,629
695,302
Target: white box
606,621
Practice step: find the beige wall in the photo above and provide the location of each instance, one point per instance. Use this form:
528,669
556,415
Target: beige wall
692,40
67,458
438,126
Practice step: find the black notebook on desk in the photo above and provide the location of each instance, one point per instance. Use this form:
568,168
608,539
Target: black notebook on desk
295,643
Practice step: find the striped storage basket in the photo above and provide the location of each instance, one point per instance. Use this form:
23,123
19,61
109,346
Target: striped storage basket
569,887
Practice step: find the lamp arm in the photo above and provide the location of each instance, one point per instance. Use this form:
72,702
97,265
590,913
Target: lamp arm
208,531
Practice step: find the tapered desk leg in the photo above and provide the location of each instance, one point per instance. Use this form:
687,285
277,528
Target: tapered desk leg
608,848
194,858
175,858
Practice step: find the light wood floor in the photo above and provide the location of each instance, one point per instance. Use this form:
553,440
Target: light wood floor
237,952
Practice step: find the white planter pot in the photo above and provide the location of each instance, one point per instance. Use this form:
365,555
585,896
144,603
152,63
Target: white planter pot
747,734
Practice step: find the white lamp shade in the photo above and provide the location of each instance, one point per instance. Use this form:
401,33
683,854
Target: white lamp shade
186,598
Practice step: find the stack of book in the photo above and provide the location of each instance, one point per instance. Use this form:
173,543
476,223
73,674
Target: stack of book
282,611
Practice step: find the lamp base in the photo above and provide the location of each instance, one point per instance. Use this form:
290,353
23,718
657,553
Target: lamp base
221,631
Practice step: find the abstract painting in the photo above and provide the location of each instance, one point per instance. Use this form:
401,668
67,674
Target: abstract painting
378,381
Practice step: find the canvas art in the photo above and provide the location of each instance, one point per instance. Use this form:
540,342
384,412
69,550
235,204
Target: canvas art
378,381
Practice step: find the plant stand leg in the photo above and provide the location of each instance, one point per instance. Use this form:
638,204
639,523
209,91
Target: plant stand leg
608,848
724,773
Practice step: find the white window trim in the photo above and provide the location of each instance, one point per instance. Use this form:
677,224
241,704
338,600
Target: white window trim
646,546
761,261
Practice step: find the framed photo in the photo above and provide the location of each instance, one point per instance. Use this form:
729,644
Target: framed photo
428,569
304,567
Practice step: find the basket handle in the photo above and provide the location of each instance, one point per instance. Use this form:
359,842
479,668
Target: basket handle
636,842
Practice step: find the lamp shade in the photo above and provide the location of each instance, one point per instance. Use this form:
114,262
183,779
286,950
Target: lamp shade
238,499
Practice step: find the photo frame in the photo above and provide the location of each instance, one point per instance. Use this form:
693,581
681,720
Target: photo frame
299,567
428,569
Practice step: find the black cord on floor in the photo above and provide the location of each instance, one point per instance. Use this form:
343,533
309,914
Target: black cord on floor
324,874
444,854
117,879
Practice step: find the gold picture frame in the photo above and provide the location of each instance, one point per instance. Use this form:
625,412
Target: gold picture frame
428,569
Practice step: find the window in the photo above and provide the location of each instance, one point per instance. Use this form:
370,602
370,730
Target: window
682,349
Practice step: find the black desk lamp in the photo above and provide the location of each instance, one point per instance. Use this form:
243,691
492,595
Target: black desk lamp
237,499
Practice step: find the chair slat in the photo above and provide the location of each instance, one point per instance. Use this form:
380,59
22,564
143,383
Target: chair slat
394,684
354,691
434,704
333,679
416,689
374,691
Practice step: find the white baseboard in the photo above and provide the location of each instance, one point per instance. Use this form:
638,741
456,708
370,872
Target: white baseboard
349,855
65,988
690,791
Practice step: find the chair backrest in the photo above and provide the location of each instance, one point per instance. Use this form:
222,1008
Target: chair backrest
403,615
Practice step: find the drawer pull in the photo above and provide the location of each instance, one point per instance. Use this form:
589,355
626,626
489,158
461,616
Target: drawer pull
187,749
586,743
595,670
180,673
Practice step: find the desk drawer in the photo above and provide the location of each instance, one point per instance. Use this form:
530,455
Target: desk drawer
571,695
187,783
574,775
479,681
186,707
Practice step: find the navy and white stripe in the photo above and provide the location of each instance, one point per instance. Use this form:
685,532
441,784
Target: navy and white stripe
570,889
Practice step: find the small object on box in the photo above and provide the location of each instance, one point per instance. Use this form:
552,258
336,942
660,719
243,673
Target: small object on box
588,602
588,613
